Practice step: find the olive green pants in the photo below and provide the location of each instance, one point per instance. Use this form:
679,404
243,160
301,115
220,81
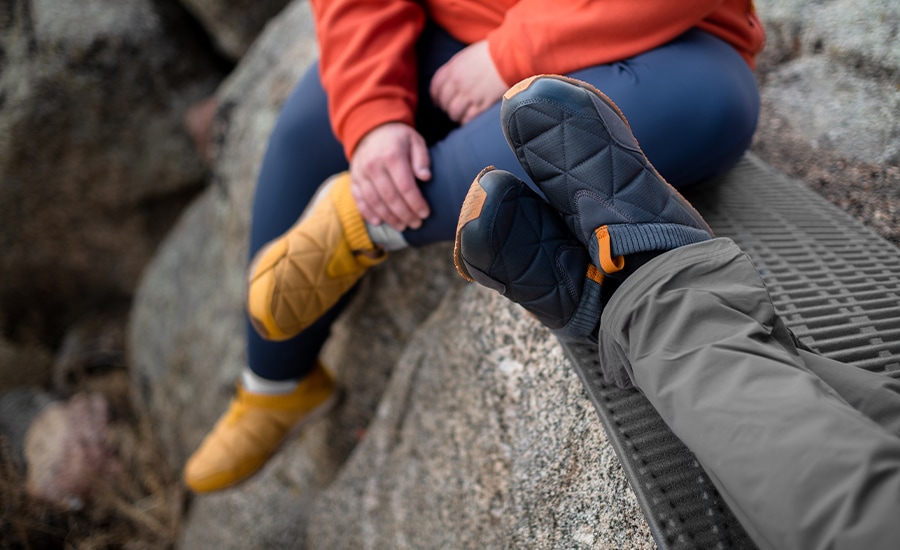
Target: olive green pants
804,449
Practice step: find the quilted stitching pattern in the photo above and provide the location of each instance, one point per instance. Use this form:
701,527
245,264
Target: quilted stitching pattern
575,154
315,268
252,429
304,290
529,250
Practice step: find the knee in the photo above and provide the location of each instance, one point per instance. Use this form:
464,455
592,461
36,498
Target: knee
734,121
297,129
734,115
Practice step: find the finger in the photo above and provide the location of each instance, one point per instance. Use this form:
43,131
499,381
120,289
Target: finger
363,206
421,163
364,209
472,111
412,202
457,108
358,197
393,188
371,194
406,175
440,88
387,200
419,158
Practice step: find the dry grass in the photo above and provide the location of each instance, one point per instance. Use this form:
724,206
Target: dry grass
140,509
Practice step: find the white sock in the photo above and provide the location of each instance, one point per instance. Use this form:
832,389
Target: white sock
389,238
254,383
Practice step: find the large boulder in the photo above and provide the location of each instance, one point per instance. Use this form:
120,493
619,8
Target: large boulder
94,160
234,25
484,438
187,322
830,100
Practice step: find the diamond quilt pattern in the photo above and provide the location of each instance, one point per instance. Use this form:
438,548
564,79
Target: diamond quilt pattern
572,159
304,289
533,253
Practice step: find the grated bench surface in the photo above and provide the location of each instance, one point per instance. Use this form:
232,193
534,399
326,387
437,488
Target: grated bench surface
835,283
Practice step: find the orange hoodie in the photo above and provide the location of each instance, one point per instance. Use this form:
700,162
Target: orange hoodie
367,47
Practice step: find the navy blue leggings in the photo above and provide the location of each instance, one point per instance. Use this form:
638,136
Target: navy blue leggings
692,104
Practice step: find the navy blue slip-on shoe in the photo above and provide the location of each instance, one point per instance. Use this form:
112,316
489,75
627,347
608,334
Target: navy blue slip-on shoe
510,240
577,147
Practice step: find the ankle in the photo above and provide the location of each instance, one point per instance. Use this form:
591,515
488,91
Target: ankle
385,236
255,383
635,261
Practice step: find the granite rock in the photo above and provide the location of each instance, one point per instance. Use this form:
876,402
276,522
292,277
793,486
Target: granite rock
234,25
94,160
414,328
462,425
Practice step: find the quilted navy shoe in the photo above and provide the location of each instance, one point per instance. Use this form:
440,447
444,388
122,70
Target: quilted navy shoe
577,147
510,240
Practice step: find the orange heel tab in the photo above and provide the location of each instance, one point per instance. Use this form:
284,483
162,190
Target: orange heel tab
608,263
595,274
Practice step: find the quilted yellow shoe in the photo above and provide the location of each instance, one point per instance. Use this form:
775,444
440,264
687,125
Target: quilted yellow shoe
297,277
252,429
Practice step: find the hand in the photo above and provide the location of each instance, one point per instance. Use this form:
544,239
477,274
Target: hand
383,172
467,84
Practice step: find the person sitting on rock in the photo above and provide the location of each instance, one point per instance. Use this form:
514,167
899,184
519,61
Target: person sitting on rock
409,92
805,450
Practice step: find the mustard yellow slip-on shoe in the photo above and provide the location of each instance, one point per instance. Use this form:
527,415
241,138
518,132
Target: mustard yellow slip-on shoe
252,429
297,277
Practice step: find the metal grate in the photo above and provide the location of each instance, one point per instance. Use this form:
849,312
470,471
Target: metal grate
835,283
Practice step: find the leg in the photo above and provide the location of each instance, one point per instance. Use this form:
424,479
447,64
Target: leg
801,468
705,83
302,153
298,158
875,395
302,274
286,382
694,329
692,105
